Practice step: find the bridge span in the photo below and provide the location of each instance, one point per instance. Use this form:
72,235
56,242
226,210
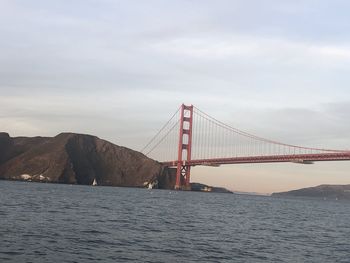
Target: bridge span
192,138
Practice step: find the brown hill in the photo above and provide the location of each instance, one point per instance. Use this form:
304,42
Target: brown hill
78,159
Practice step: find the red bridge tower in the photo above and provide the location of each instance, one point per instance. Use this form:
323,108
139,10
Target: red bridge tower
184,150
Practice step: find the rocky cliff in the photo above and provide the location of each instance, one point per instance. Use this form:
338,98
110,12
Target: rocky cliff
78,159
321,191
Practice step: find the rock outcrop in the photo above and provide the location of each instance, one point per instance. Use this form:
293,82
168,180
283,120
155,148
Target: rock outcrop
78,159
322,191
206,188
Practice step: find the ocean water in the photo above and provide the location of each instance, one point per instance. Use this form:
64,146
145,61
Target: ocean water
70,223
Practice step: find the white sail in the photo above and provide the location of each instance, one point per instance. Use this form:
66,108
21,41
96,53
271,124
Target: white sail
94,182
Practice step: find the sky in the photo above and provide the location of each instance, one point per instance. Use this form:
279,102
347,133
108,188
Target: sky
119,69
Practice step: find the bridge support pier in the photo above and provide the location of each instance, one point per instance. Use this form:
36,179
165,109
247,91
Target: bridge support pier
183,177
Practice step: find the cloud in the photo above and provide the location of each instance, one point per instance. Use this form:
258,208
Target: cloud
228,47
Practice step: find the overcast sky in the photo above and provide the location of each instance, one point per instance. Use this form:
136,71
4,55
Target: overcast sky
119,69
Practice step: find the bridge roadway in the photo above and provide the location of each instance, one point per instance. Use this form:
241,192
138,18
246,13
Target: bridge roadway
294,158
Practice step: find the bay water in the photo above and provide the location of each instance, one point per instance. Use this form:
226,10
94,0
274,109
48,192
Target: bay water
72,223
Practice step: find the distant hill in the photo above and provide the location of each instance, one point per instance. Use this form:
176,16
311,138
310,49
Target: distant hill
78,159
321,191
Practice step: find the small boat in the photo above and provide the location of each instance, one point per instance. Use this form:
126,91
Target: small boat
150,186
94,182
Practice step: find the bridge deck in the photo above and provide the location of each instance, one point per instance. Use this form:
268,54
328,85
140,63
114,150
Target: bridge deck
297,158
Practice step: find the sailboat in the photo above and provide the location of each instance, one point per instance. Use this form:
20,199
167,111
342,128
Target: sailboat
94,182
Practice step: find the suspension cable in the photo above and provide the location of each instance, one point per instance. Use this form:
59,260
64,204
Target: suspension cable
246,134
164,126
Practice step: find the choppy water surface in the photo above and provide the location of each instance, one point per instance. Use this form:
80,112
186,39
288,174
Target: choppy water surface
64,223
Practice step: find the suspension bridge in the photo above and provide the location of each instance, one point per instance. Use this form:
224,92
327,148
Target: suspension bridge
191,138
